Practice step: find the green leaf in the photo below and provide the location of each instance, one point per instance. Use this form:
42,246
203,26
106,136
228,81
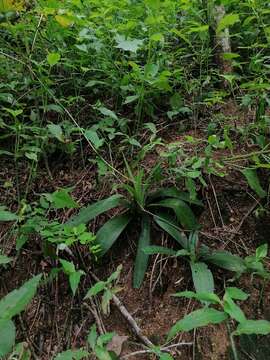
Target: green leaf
130,99
22,351
74,280
259,327
168,225
56,132
68,266
108,112
94,290
196,319
232,309
254,182
4,259
16,301
236,293
72,355
53,58
157,37
101,353
202,278
115,275
105,302
61,199
92,337
6,215
261,251
183,212
89,212
152,250
94,138
165,357
175,193
111,230
209,297
7,336
141,261
227,21
128,44
226,260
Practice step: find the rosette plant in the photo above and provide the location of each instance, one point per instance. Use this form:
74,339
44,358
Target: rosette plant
170,208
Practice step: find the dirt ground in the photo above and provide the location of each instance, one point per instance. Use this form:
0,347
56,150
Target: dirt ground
55,320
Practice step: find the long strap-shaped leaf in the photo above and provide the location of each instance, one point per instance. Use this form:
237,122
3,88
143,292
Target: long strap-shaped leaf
141,261
167,224
111,230
91,211
174,193
183,212
221,258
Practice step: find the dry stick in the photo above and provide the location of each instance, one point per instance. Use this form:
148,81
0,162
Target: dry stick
134,326
95,314
165,349
215,195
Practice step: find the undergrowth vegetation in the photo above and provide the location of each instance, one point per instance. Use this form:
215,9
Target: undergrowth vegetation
159,103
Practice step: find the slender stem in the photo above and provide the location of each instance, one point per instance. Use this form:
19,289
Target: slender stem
234,350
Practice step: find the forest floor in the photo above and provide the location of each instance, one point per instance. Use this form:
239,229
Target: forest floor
55,320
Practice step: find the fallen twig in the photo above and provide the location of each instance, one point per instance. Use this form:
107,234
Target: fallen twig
130,320
164,349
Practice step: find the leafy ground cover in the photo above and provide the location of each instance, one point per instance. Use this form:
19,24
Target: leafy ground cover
134,203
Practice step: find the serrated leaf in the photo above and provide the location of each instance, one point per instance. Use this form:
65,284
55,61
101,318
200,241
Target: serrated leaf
128,44
110,231
94,138
226,21
56,131
254,182
7,336
61,199
17,300
53,58
196,319
141,261
89,212
259,327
